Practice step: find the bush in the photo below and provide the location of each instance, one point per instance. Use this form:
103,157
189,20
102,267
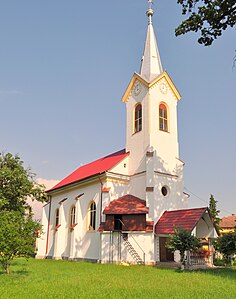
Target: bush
219,262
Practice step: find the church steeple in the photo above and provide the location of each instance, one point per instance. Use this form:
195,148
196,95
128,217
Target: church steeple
151,63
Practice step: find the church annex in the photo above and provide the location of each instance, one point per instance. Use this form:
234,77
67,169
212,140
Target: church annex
123,207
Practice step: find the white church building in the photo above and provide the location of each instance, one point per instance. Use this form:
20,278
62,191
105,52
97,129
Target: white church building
124,206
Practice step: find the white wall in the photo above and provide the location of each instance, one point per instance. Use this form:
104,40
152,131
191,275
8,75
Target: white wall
137,143
165,143
41,242
80,243
114,250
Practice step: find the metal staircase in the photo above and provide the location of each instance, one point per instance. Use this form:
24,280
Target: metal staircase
132,251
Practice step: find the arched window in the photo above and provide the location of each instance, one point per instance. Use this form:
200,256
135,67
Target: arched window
72,216
163,118
57,219
92,216
138,118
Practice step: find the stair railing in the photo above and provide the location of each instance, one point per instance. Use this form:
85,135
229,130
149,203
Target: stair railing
123,225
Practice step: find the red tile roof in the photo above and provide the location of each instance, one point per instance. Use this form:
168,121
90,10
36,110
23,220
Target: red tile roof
93,168
186,219
127,204
149,226
228,222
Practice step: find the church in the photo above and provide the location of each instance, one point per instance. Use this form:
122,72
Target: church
123,207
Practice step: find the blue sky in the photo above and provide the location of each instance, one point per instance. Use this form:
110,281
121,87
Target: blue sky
64,66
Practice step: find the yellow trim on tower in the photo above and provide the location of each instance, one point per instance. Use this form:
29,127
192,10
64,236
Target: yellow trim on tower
149,85
131,84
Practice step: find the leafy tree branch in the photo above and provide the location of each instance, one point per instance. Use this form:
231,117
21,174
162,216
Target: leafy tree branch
209,17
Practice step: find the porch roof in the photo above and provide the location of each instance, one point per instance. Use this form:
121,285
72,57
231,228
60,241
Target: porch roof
186,219
127,204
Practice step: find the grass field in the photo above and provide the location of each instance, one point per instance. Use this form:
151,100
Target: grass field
63,279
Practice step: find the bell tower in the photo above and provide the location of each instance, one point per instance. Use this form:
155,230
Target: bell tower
151,100
151,106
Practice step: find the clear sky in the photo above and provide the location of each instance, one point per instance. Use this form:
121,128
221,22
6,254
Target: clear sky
64,66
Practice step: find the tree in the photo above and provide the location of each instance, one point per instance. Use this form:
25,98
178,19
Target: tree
210,17
213,210
17,227
183,241
226,244
17,184
17,237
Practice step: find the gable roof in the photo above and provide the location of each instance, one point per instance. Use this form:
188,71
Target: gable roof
228,222
186,219
127,204
150,84
96,167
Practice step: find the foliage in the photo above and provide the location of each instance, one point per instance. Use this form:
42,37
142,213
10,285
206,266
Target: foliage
17,237
226,244
213,210
183,240
17,184
210,17
219,262
64,279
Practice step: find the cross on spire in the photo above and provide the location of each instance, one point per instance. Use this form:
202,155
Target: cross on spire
150,11
150,3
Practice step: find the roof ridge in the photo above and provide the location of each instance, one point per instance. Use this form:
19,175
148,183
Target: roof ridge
117,153
190,209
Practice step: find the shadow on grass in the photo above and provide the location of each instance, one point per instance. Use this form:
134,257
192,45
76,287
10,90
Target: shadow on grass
223,272
18,267
21,272
229,273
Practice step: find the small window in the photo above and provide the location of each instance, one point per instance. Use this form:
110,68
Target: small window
164,191
72,216
92,216
163,118
138,118
57,218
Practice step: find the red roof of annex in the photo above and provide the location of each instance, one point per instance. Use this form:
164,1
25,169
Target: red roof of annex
186,219
96,167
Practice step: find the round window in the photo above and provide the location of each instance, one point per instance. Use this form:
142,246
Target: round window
164,191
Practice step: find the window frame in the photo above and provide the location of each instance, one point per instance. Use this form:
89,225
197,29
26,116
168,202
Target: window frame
163,117
92,213
72,217
57,219
137,118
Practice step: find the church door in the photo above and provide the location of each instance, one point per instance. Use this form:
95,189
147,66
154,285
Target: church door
165,254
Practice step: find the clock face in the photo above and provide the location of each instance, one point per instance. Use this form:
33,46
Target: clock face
163,88
137,89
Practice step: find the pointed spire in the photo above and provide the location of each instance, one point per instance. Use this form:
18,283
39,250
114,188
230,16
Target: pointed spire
151,63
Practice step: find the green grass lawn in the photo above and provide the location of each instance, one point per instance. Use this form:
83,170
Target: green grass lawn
63,279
